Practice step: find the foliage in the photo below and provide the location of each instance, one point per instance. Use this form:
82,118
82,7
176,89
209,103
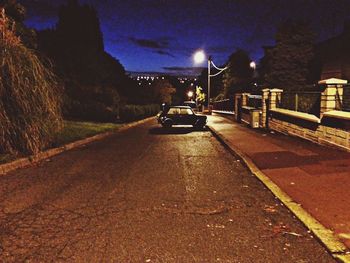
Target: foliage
238,76
136,112
92,103
17,13
200,96
74,131
29,98
162,91
288,62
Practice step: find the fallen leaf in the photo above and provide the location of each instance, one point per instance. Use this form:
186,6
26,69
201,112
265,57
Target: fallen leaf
292,234
270,209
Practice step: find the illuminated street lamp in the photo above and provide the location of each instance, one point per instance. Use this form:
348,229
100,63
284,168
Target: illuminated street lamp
199,58
252,65
190,94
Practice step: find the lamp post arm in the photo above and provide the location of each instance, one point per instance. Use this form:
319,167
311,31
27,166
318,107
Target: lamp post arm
221,69
217,73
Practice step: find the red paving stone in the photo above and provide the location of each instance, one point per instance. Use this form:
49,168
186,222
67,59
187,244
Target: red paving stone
315,176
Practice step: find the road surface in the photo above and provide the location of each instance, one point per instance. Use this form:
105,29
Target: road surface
147,195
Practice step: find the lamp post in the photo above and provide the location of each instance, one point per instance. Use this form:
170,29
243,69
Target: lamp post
199,58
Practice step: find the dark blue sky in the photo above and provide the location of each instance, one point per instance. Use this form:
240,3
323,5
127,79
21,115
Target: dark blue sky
161,35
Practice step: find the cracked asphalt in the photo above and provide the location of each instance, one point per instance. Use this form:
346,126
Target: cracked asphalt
147,195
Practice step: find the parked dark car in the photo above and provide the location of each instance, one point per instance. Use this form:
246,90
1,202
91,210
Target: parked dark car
181,115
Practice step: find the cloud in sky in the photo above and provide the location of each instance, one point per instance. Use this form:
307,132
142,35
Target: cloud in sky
164,53
150,43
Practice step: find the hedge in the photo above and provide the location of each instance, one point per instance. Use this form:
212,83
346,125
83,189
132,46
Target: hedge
136,112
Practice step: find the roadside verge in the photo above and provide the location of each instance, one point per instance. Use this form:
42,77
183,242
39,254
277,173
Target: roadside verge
325,236
31,160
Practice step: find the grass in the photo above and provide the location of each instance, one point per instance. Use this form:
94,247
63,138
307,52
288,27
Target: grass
72,131
75,130
6,158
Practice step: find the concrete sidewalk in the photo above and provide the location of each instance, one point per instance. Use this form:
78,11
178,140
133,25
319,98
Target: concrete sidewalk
316,177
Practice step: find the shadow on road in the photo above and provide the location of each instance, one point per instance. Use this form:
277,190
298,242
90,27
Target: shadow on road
175,130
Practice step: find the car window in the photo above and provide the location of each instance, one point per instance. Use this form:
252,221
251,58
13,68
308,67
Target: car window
186,112
173,111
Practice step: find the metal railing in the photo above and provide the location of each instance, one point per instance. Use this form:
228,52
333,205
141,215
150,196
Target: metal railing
255,101
224,105
345,103
306,101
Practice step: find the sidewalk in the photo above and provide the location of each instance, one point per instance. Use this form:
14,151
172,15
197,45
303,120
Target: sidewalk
316,177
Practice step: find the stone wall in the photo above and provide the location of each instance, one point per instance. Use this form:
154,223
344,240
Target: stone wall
321,133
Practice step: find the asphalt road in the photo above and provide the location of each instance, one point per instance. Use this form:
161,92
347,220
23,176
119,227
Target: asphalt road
146,195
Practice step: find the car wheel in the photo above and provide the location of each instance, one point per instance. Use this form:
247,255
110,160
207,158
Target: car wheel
167,124
199,125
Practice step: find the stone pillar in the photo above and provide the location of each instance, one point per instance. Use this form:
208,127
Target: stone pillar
265,96
238,97
332,96
275,95
245,99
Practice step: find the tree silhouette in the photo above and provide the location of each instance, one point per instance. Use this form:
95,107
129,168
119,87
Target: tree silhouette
288,62
238,76
89,72
162,91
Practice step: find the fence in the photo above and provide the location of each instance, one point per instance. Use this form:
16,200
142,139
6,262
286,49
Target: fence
255,101
307,102
224,105
345,104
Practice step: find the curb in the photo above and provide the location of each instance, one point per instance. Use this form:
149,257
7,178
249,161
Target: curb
31,160
337,249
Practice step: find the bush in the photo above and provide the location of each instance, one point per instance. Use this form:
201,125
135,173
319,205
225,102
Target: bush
99,104
137,112
29,99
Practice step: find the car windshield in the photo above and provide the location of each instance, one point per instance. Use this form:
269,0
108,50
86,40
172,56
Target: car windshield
186,112
181,111
173,111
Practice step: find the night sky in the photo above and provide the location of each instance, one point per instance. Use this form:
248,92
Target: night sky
161,35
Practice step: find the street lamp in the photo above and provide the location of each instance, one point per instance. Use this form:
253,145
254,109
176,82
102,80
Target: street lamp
190,94
252,65
199,58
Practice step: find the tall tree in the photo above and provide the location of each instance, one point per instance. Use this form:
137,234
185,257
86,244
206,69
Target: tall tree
288,62
238,76
91,75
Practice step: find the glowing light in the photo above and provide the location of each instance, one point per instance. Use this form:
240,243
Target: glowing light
190,94
199,57
252,65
